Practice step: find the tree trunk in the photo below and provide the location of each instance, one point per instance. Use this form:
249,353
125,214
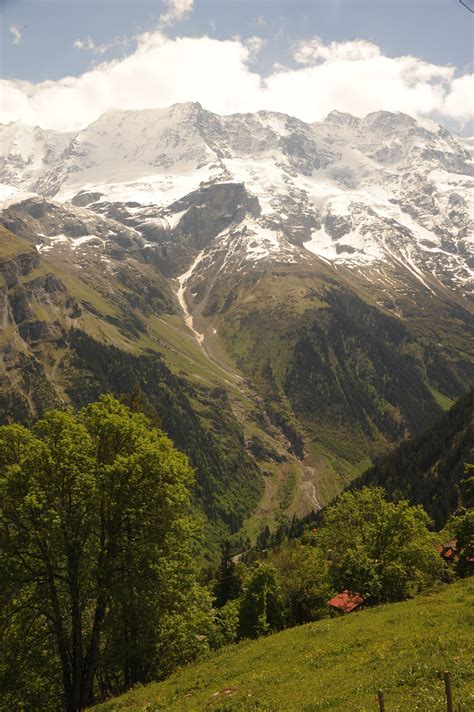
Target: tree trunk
76,626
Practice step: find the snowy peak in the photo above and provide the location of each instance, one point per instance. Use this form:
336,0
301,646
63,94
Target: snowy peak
340,118
384,189
125,146
26,152
144,136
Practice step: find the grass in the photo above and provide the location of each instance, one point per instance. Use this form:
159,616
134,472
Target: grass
7,334
87,295
11,245
333,471
335,664
182,352
442,400
279,499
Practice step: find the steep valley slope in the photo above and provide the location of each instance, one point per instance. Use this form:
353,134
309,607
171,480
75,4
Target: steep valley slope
291,299
433,469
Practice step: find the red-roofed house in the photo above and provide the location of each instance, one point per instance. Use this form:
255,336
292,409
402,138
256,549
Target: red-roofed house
449,551
346,602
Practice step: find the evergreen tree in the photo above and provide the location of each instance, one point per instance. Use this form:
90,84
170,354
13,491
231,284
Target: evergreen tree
264,538
262,604
228,583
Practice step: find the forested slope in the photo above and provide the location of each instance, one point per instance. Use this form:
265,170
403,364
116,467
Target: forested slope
430,469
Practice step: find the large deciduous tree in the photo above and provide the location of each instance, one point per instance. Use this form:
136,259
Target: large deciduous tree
304,579
95,553
380,549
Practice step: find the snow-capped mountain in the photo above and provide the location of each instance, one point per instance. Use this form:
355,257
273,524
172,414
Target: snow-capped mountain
377,194
308,280
26,152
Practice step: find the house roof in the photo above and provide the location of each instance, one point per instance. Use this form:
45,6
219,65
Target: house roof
346,601
449,550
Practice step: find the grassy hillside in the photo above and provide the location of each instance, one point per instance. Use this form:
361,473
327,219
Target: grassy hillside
335,664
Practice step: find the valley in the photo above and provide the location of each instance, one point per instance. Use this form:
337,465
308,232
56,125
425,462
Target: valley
292,299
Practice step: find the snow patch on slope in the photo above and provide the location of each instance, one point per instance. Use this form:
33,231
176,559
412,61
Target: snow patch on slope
9,195
183,280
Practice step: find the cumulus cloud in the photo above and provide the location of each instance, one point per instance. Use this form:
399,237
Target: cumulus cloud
460,100
355,77
16,33
177,10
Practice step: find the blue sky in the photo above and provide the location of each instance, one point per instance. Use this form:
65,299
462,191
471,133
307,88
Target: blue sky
48,40
438,31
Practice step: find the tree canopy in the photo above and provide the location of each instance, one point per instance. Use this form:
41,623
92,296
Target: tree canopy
304,575
383,550
95,543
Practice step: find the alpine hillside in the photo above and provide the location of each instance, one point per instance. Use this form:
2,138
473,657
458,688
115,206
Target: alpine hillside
291,299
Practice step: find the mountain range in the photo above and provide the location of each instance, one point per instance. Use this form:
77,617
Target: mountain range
291,299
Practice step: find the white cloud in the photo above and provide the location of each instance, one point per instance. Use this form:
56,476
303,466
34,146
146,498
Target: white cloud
177,10
254,45
315,50
88,44
91,46
355,77
16,33
460,100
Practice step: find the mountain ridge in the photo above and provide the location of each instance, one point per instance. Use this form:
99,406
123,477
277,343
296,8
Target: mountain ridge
316,274
329,187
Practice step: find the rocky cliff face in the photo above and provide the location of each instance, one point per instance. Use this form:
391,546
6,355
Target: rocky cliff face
26,296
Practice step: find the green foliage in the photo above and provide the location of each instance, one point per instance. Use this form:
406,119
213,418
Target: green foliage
228,582
227,623
467,484
95,543
380,549
463,530
303,573
262,605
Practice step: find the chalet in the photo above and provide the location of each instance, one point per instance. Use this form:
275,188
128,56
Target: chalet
346,602
449,551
